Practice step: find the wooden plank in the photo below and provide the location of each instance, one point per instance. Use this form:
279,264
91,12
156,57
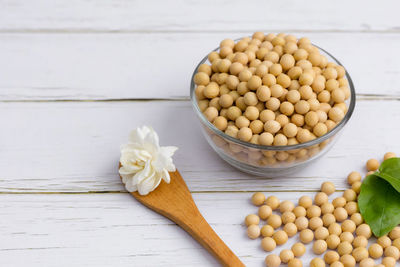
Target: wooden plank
114,229
159,65
207,15
74,146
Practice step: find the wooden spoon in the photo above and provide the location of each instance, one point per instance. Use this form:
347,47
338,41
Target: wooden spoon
175,202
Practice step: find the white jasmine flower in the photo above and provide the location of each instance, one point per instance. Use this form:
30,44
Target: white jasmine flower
144,162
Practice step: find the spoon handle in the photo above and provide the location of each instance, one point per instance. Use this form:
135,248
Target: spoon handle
175,202
200,230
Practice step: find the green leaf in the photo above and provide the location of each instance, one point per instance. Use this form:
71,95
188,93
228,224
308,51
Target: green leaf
390,171
379,205
391,165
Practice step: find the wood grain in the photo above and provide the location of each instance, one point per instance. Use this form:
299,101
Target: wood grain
207,15
113,229
124,66
175,202
71,147
53,51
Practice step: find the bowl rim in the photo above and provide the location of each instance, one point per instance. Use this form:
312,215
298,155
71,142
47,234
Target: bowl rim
307,144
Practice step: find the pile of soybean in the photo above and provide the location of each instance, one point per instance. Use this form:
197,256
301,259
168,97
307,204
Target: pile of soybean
272,90
338,232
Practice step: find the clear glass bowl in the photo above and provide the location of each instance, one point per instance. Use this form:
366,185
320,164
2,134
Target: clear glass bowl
269,160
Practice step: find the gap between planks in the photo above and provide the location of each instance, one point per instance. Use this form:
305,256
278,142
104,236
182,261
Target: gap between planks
359,97
111,31
125,192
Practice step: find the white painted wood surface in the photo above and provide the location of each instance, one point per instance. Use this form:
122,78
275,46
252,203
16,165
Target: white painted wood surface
61,201
74,147
159,65
113,229
207,15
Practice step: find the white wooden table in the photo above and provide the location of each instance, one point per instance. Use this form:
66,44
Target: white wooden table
77,76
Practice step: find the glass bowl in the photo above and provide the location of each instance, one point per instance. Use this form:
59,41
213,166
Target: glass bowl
270,160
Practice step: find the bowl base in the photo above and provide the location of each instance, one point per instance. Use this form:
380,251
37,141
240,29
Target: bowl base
268,171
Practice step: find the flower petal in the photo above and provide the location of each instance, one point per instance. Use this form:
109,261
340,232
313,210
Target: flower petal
164,160
126,177
166,176
152,138
139,177
130,186
149,184
129,166
169,151
139,134
125,171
